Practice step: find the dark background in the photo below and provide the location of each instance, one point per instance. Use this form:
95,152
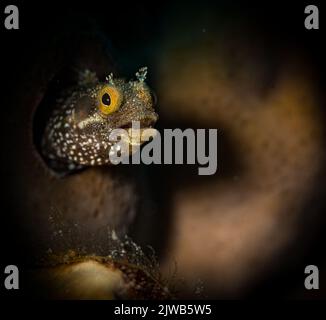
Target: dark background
129,25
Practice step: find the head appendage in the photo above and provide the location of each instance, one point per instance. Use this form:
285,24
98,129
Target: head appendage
109,78
141,74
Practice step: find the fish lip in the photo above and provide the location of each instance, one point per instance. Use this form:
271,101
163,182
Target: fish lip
146,121
134,134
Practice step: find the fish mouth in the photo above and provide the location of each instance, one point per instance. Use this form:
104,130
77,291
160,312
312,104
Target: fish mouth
140,130
145,121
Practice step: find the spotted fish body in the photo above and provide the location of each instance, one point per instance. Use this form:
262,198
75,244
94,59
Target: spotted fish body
77,133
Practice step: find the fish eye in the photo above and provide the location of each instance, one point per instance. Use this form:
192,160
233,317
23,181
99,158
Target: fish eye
109,100
106,100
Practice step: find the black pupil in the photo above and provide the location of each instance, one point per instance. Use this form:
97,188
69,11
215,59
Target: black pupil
106,99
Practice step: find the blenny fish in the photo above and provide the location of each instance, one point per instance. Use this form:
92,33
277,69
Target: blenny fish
77,133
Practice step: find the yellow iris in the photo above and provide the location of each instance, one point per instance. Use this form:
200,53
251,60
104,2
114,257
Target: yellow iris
109,100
